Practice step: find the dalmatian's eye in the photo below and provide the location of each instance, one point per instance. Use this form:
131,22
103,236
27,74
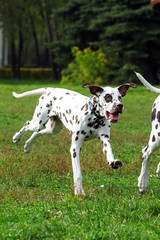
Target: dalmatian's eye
119,98
108,98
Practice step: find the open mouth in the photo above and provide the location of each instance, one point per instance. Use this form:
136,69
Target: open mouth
112,117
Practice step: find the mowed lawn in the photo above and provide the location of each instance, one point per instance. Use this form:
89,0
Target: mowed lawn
36,189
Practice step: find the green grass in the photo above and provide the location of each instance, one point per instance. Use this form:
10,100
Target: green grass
36,189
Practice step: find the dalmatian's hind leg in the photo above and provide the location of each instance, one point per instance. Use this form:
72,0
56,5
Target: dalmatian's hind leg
20,134
53,126
40,117
158,170
153,144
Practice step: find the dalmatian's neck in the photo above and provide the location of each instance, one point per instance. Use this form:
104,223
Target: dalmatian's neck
95,107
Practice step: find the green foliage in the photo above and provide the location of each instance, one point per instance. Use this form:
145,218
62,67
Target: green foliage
35,73
28,73
5,73
128,32
88,65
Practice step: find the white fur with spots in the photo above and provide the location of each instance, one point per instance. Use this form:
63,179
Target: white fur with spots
154,140
58,106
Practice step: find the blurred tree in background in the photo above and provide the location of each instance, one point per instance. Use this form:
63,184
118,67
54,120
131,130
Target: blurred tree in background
128,31
29,29
43,32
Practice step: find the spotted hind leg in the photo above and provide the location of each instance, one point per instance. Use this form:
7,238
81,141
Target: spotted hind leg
153,144
53,126
158,170
20,134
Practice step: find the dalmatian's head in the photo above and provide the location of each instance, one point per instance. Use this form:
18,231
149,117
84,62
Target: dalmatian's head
108,101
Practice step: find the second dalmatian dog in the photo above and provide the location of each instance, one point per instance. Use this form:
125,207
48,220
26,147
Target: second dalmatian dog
84,117
154,140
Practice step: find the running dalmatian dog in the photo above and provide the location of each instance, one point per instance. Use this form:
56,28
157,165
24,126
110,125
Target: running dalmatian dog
84,117
154,140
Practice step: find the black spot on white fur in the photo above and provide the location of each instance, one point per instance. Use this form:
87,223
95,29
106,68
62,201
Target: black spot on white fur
153,138
158,116
154,114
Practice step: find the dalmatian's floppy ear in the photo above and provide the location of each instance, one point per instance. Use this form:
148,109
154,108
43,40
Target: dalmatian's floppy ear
123,88
93,89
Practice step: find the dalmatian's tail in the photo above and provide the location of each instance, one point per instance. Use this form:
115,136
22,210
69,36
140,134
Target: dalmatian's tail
147,84
30,93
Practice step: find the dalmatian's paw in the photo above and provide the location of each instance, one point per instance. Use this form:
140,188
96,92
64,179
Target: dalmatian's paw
16,137
116,164
142,188
27,148
78,191
158,170
142,183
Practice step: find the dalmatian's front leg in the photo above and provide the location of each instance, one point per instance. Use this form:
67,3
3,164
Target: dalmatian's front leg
143,178
75,152
114,163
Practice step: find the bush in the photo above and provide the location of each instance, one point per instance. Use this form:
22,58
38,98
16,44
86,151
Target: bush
36,73
5,73
88,66
27,73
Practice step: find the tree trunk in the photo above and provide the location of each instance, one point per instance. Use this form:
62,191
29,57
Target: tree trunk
35,41
20,50
154,75
13,57
55,30
152,62
49,39
45,62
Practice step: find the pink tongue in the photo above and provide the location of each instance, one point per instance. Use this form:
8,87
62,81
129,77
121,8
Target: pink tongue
112,116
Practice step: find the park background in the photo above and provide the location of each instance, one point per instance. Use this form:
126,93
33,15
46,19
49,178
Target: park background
79,40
